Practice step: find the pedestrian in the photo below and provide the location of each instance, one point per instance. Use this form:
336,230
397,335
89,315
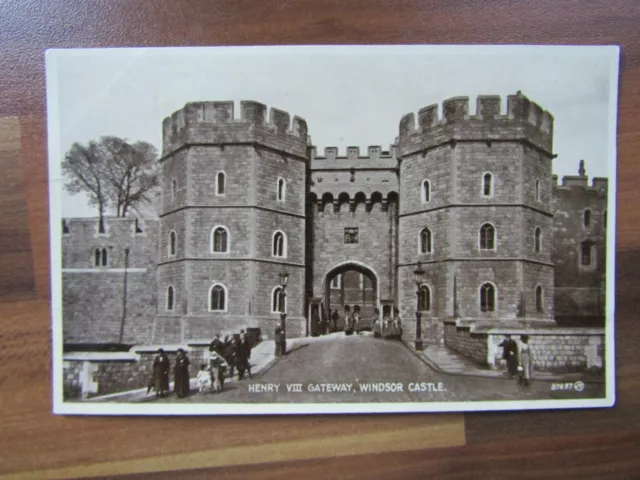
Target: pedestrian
217,344
355,318
377,331
335,316
161,366
217,367
397,322
510,355
525,362
347,320
204,379
229,353
386,324
181,374
243,355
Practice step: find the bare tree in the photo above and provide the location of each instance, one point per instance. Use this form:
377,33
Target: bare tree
84,167
132,173
114,172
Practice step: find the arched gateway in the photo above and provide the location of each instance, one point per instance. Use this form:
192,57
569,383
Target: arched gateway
351,283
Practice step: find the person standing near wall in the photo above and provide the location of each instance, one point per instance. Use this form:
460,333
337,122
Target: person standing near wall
510,355
525,362
161,366
181,374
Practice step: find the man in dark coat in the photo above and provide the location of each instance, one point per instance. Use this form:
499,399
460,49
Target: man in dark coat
335,316
243,353
181,374
229,354
161,366
510,355
217,345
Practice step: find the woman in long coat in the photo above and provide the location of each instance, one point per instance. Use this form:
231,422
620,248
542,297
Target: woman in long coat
181,374
526,361
161,366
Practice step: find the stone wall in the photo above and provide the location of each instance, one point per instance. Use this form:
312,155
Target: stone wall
554,349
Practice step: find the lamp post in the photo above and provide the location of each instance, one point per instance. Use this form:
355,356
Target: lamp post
418,275
284,278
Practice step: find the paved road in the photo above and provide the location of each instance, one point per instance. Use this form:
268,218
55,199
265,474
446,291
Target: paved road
350,364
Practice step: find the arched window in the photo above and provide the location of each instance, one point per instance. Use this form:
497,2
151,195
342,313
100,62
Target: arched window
537,240
100,257
174,189
97,259
426,191
278,301
487,297
586,253
424,298
539,305
104,257
172,243
586,218
279,244
220,239
487,185
537,190
218,298
282,189
220,183
426,244
170,298
487,237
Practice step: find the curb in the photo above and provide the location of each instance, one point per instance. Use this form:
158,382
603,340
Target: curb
430,363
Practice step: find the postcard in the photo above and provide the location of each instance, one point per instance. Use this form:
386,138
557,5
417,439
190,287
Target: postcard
332,229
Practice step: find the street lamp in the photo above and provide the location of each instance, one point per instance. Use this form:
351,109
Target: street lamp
418,275
284,278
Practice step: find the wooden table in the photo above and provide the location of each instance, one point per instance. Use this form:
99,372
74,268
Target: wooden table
36,444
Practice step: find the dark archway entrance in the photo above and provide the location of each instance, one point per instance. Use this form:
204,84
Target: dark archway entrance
351,283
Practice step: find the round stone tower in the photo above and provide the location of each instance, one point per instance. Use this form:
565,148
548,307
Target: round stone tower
232,220
476,211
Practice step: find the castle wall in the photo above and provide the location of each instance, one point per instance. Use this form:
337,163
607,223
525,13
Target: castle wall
580,289
94,298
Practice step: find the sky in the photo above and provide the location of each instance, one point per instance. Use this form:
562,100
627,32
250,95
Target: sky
348,95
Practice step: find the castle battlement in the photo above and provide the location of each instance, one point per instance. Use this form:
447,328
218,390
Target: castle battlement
215,123
524,120
375,157
114,227
582,182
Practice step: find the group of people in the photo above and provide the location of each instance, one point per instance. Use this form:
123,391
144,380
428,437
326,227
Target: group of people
518,358
390,327
225,358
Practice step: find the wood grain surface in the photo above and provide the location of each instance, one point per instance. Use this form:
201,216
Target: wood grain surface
36,444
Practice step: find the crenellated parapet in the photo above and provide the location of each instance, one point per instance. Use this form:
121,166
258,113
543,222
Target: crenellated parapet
375,156
524,121
598,184
215,123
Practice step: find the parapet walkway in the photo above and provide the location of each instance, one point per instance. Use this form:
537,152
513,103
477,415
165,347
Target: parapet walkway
444,360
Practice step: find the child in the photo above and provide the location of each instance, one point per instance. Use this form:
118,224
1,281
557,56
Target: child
204,379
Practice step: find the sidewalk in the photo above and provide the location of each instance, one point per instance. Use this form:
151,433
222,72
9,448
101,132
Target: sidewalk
262,359
444,360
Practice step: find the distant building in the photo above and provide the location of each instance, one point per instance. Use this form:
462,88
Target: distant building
470,196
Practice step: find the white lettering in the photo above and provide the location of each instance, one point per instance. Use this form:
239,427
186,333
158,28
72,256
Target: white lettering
426,387
263,387
381,387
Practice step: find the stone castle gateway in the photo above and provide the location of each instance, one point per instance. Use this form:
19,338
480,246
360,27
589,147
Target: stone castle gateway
245,196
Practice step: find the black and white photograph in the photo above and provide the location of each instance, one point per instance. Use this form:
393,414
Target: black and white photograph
332,229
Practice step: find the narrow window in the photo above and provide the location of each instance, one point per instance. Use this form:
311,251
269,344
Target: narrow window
279,245
424,298
539,299
335,282
487,237
426,191
586,218
282,186
217,300
172,243
585,253
104,257
487,298
537,190
220,239
174,189
425,241
537,240
487,185
97,258
170,298
220,183
278,301
65,227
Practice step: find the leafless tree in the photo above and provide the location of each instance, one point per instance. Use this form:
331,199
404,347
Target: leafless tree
115,173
